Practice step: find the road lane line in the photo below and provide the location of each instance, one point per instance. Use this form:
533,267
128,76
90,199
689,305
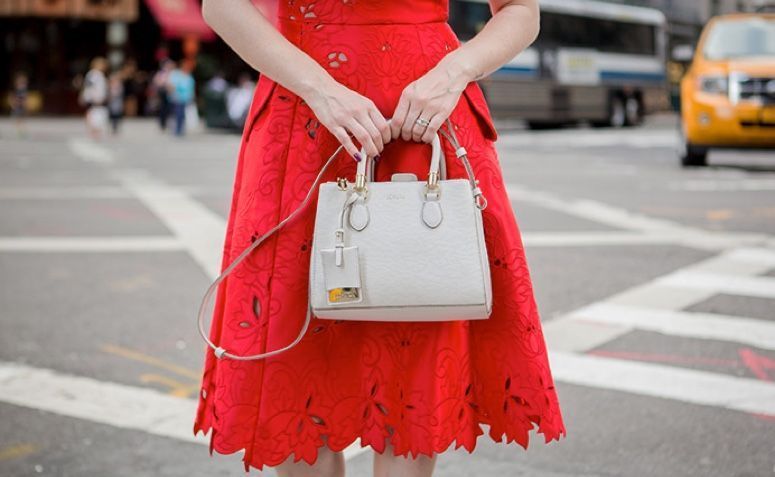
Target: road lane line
709,326
17,451
90,151
657,305
646,139
94,192
680,384
596,238
627,220
709,185
115,404
150,411
200,230
89,244
60,192
764,257
761,287
109,403
151,360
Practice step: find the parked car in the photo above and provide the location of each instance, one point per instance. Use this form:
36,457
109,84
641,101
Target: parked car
728,93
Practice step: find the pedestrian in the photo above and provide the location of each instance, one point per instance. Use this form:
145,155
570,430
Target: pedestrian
116,100
94,96
131,78
401,388
238,99
18,100
181,89
159,91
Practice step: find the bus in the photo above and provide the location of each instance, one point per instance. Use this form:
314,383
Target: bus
593,61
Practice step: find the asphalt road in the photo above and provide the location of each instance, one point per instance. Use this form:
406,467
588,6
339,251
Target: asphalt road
656,286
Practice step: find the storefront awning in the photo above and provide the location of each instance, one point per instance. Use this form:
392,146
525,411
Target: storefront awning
180,18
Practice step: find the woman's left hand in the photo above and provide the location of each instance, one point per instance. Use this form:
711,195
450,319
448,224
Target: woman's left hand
433,96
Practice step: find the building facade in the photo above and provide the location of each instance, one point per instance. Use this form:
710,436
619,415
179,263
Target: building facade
52,42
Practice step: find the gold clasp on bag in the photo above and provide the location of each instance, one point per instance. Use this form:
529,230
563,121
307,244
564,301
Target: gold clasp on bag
342,183
360,182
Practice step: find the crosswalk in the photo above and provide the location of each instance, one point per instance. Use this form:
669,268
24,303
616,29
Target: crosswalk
740,265
659,306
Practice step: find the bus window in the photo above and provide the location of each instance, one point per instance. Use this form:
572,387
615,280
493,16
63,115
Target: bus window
468,18
560,29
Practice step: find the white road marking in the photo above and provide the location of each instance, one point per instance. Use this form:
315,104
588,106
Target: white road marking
200,230
711,326
90,151
93,192
89,244
115,404
597,238
763,287
645,139
685,385
657,305
109,403
744,185
59,192
654,230
152,412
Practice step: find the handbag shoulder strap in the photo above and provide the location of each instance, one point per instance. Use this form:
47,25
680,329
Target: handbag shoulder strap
219,351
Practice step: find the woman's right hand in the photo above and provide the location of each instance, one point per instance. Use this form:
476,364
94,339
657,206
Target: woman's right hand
344,111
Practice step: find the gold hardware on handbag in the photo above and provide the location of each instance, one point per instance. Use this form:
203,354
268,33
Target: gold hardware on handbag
342,266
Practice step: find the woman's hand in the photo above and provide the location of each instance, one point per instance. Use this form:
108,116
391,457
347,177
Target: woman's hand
433,96
344,111
513,26
340,109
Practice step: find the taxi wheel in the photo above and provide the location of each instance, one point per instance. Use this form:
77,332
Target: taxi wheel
691,156
694,156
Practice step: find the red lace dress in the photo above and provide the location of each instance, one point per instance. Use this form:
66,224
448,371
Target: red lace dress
420,386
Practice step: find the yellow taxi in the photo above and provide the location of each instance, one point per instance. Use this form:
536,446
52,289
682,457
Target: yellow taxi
728,93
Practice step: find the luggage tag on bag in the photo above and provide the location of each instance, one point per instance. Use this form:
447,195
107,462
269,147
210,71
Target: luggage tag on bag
343,279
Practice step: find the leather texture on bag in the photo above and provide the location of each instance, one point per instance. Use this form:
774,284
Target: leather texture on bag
409,271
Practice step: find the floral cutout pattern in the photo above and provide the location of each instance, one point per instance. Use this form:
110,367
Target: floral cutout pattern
418,386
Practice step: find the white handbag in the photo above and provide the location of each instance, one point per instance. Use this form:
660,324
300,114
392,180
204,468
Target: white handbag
401,250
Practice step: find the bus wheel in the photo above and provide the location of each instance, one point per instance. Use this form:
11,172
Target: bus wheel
617,114
632,111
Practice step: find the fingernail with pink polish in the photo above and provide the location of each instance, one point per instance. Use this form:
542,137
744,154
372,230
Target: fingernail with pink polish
357,156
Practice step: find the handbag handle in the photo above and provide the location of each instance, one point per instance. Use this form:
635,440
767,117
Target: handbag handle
372,163
219,351
362,178
365,170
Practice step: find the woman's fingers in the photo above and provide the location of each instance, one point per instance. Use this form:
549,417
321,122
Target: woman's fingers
345,112
410,122
382,125
344,138
364,138
374,133
436,121
398,119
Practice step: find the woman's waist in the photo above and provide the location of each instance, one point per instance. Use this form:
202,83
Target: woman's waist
364,35
347,12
